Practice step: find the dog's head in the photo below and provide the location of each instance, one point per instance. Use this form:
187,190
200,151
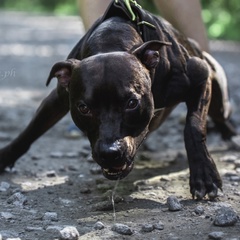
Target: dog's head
111,102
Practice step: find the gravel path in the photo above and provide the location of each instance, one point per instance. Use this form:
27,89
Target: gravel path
57,192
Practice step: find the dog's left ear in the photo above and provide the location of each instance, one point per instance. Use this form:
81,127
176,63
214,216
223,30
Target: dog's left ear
148,53
63,72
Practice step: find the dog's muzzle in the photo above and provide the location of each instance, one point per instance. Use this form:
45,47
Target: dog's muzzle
115,159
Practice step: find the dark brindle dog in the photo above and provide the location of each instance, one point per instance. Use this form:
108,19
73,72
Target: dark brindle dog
121,81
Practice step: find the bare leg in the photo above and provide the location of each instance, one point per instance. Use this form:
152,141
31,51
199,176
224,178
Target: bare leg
185,15
91,10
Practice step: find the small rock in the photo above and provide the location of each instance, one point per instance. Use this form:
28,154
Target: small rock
199,210
33,229
158,226
7,215
36,157
234,179
85,153
228,158
69,233
96,170
72,154
85,190
4,186
225,216
216,235
173,204
103,206
17,199
50,216
73,168
51,174
147,228
122,229
56,154
99,226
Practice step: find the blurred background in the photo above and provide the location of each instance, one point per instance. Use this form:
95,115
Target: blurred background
222,18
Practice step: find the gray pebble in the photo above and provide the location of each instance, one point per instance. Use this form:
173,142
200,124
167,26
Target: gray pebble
69,233
173,204
51,174
73,168
33,229
234,178
4,186
7,215
96,170
147,228
199,210
50,216
225,216
17,199
158,226
56,154
103,206
72,154
216,235
85,190
122,229
99,226
228,158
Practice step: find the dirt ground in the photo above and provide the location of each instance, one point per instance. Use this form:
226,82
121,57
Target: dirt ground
56,184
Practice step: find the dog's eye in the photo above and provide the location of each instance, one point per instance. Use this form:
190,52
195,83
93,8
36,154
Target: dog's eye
132,104
84,109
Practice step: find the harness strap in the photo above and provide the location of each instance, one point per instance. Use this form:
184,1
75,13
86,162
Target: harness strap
131,10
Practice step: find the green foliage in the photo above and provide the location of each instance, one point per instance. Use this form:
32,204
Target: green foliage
58,7
222,17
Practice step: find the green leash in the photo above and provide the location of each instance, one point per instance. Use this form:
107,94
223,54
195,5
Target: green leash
128,5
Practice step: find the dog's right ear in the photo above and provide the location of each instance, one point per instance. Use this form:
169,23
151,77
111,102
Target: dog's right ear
63,72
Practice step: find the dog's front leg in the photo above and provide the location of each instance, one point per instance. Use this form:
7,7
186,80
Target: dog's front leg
204,176
52,109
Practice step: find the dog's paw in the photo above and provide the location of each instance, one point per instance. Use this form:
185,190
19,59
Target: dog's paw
7,158
205,181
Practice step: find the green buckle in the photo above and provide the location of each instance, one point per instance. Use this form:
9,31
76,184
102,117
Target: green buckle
128,5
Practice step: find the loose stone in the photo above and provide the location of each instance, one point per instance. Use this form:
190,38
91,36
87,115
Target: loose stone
216,235
147,228
69,233
122,229
99,226
225,216
173,204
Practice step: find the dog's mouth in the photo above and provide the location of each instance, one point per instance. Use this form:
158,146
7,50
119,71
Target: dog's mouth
117,173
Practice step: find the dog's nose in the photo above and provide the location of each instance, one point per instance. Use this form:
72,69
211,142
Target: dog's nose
110,154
